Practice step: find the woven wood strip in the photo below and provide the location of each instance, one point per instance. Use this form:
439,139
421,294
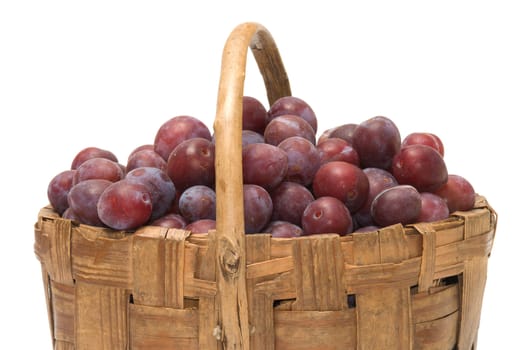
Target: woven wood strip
428,259
43,227
160,281
261,318
280,287
393,246
270,267
315,330
474,277
329,265
148,267
196,288
450,255
383,319
384,313
208,322
476,221
49,302
101,317
200,271
163,328
435,303
362,278
102,256
438,334
318,274
205,271
60,252
473,284
63,311
175,268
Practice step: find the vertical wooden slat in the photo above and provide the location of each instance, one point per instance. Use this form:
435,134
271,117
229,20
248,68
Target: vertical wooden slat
148,268
393,244
336,293
60,252
208,305
63,311
209,338
101,317
383,313
428,256
473,284
383,319
473,280
53,248
159,267
261,316
303,274
49,303
319,268
175,268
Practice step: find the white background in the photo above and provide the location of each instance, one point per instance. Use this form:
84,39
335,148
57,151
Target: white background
108,74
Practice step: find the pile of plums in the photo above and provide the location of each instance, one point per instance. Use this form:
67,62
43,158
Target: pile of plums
353,177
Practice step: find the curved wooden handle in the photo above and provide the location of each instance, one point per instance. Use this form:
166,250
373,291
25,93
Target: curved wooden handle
231,260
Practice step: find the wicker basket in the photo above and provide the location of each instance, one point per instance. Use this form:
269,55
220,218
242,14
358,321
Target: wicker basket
401,287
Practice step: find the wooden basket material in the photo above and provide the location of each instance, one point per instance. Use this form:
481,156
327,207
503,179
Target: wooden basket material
414,287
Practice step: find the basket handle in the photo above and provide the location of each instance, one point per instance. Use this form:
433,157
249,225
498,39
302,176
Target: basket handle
230,254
